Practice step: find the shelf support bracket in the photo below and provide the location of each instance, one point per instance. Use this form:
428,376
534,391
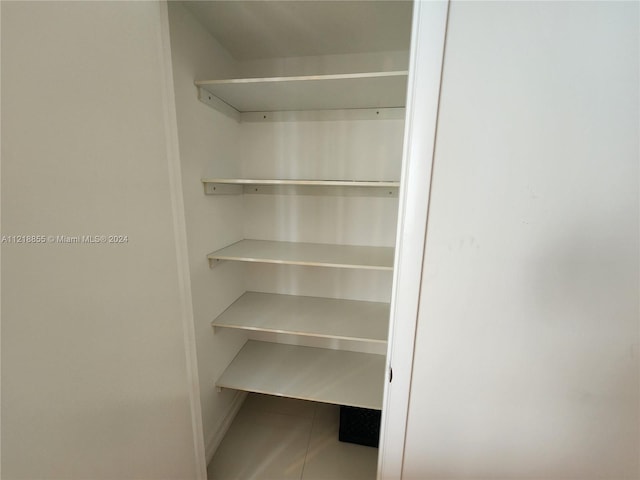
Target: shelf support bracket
214,262
211,188
210,99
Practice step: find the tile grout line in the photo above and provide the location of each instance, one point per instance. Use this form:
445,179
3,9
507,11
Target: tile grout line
306,454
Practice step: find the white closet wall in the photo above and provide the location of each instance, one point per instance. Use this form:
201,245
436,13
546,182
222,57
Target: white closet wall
208,142
339,149
392,60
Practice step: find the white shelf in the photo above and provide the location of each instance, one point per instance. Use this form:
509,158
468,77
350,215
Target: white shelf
315,183
314,92
226,186
318,374
308,316
309,254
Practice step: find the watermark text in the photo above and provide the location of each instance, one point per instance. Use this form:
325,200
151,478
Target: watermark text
58,239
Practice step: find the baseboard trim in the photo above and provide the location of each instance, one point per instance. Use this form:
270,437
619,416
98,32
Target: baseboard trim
213,442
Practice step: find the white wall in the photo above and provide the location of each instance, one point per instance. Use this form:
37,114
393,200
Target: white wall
368,149
94,373
326,64
526,363
208,147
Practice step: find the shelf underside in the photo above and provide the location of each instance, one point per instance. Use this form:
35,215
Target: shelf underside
308,316
308,373
317,92
308,254
226,186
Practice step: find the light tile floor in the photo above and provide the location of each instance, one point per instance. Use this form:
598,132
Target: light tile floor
281,438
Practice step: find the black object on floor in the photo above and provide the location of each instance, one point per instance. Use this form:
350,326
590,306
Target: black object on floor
359,425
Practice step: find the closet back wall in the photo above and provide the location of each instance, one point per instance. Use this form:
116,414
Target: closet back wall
339,149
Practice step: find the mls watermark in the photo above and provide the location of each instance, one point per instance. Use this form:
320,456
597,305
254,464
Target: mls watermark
64,239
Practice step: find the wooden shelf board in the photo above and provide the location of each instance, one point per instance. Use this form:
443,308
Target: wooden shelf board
308,254
308,316
313,92
308,373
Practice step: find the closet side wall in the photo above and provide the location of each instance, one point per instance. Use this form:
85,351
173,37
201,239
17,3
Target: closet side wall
208,147
94,375
527,350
